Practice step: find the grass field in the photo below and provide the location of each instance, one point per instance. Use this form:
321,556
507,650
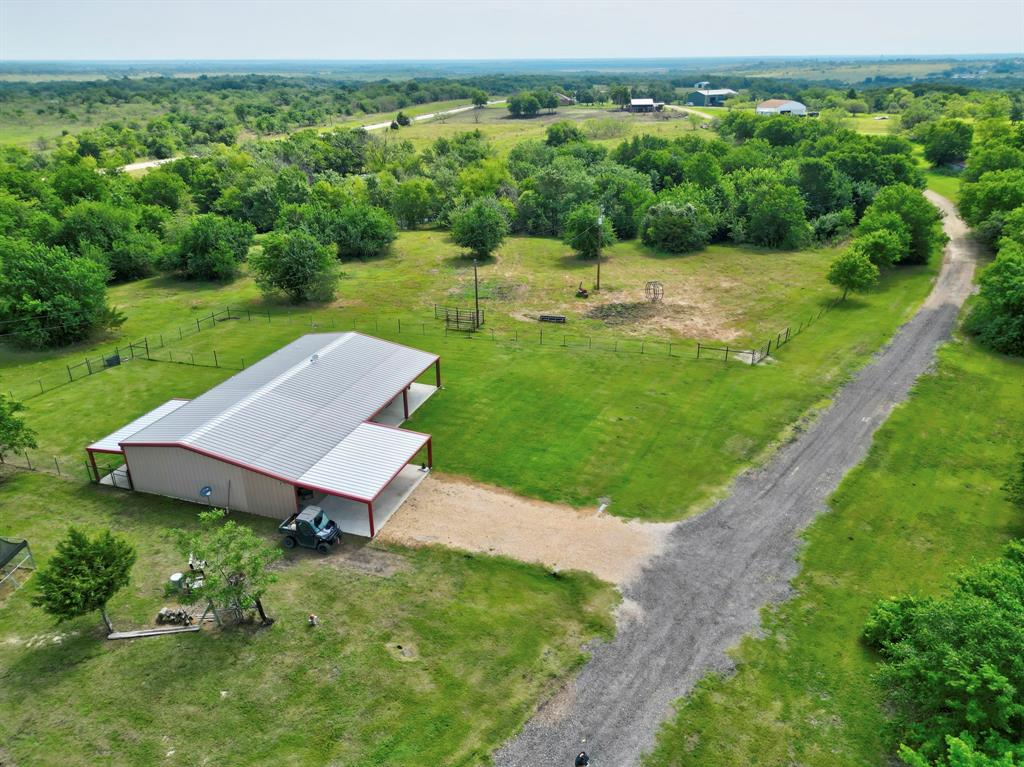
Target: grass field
926,502
484,637
660,435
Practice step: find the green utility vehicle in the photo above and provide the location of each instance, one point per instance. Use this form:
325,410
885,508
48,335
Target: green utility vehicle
311,529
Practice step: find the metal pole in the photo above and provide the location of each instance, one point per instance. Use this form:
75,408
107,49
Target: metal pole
600,238
476,297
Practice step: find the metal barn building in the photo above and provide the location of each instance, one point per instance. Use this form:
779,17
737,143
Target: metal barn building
781,107
709,97
314,422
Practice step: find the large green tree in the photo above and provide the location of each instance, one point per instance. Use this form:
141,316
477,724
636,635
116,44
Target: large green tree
919,216
997,319
588,231
209,247
946,141
296,264
481,226
83,575
853,270
49,298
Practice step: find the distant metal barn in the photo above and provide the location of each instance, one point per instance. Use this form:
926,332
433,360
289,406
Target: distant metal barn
314,422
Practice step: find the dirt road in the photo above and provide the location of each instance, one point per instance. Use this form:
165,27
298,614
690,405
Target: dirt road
704,592
690,110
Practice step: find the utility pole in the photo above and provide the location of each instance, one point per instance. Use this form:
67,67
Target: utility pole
476,297
600,239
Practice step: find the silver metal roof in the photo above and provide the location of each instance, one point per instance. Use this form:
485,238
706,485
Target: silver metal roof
292,409
363,463
112,442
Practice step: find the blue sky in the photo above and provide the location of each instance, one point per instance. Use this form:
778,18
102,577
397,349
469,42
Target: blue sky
474,29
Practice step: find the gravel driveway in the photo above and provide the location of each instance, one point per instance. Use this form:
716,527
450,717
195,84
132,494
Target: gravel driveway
697,599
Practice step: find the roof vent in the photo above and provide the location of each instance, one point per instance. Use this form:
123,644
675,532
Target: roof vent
314,358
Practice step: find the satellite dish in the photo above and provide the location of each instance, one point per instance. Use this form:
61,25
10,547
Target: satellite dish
206,491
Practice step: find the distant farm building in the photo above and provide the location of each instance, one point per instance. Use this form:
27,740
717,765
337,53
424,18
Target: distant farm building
702,84
781,107
565,100
709,97
313,423
645,105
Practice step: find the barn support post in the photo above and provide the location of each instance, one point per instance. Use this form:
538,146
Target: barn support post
430,453
369,511
437,371
405,402
95,469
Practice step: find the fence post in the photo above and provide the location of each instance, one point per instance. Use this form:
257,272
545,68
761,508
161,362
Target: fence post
243,363
669,348
146,342
57,464
787,335
769,348
727,352
542,336
179,332
70,378
399,324
698,350
642,342
197,325
216,363
190,354
40,382
753,358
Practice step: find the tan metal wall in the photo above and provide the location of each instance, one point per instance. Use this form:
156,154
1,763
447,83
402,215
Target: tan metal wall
181,473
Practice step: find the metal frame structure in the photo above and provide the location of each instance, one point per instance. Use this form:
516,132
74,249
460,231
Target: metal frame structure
15,555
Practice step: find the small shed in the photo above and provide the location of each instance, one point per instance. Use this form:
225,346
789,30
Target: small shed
781,107
709,97
16,563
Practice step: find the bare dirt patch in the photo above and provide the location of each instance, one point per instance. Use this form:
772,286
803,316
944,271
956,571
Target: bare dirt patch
464,515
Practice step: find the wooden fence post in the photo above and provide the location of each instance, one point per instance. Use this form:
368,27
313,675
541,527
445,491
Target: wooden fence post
698,350
216,363
70,377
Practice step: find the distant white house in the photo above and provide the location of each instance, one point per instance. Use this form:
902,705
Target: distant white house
781,107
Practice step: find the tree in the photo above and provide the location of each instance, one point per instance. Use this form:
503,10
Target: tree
164,188
49,298
883,247
235,563
917,213
210,247
363,231
523,105
481,227
824,188
619,94
588,231
414,201
853,270
479,99
564,132
997,319
296,264
947,141
109,235
402,119
677,227
15,435
83,575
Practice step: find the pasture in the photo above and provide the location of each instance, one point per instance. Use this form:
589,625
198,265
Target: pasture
661,435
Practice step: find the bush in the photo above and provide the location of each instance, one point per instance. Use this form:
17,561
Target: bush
952,666
363,231
917,214
481,227
882,247
48,297
853,270
296,264
587,230
564,132
209,247
946,141
997,319
832,226
677,226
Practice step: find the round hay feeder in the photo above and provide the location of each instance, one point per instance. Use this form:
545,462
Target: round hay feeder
654,291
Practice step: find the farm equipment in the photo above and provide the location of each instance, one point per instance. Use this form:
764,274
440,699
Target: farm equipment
311,529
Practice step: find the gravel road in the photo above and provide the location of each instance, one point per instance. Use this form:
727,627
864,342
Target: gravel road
698,598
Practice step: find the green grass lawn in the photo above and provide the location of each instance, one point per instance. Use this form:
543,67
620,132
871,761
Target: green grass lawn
926,502
660,435
487,637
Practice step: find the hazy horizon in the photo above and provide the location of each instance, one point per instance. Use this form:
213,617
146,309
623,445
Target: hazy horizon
497,30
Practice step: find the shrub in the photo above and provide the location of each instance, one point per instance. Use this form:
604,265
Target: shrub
481,227
832,226
209,247
587,230
882,246
678,227
296,264
363,231
853,270
997,319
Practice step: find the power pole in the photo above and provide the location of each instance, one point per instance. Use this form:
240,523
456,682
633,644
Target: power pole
600,239
476,297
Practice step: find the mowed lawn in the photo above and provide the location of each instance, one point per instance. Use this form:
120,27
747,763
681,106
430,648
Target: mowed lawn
434,660
659,435
927,501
